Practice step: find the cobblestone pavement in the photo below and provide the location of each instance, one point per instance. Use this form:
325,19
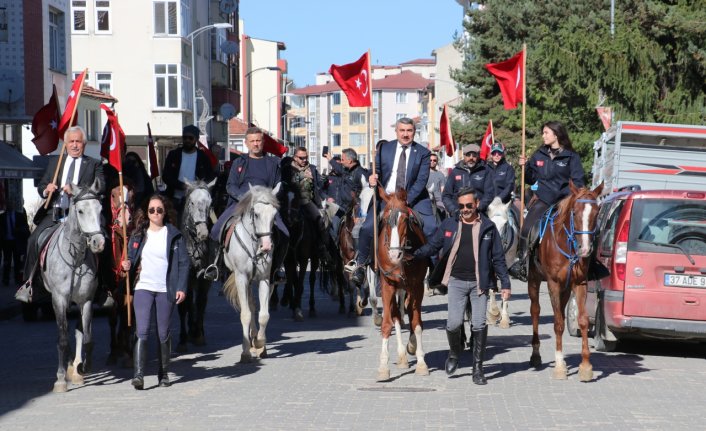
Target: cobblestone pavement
321,376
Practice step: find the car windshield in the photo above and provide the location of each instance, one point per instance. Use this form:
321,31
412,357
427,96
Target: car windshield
668,226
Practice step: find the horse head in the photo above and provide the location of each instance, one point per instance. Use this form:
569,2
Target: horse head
263,209
197,207
86,212
395,228
498,213
584,213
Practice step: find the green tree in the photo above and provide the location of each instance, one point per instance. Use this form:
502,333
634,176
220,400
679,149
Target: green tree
652,69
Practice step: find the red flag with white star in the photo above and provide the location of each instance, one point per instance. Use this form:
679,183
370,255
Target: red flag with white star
154,166
508,73
354,80
71,104
487,142
113,142
446,138
45,126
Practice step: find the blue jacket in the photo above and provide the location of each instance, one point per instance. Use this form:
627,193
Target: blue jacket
479,178
503,179
489,260
553,176
416,177
178,258
347,182
237,186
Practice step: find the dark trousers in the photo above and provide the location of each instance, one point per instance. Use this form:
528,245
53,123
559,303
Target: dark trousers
144,301
534,213
11,257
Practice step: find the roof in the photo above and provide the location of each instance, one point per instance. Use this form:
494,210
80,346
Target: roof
236,126
13,164
406,80
420,61
91,92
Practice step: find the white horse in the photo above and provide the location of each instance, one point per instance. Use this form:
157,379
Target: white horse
249,256
366,196
501,214
70,276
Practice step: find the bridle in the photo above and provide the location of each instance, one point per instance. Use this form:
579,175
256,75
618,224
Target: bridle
397,271
191,226
254,237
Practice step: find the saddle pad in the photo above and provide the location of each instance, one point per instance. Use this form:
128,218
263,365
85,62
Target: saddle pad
43,243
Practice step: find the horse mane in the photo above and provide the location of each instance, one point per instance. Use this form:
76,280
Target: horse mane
256,194
196,185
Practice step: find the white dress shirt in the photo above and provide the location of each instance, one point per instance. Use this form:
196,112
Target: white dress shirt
77,169
392,182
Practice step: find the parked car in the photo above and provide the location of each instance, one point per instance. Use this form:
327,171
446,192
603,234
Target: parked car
654,245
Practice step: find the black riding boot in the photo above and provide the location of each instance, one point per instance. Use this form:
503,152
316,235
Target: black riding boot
479,338
139,356
455,348
165,351
519,268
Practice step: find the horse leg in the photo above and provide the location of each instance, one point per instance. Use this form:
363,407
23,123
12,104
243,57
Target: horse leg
559,299
504,315
385,331
183,310
533,293
312,284
202,287
263,318
114,340
493,313
243,287
415,324
60,305
296,304
585,368
83,361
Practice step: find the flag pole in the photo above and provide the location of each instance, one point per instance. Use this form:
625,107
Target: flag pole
524,106
128,298
63,146
432,120
492,134
374,148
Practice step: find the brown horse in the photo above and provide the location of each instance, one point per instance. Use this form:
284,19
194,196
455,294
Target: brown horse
400,235
562,260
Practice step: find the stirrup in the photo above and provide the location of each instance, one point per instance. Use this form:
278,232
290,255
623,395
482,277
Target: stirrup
350,266
211,272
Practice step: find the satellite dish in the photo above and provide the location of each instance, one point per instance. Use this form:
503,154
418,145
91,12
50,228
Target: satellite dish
11,86
228,6
229,47
227,111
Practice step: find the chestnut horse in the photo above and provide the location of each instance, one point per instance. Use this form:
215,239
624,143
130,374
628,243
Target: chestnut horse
566,233
400,235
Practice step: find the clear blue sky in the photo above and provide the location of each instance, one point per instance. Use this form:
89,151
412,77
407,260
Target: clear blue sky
320,32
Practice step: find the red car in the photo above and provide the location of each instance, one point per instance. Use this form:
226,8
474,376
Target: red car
654,245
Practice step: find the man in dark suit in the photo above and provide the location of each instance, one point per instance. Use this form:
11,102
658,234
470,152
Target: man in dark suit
400,164
76,168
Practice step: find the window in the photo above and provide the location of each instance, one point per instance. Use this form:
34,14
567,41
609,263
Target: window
217,53
362,158
165,18
86,81
187,95
312,122
185,18
356,139
78,16
376,99
90,125
102,16
336,140
296,101
166,83
57,42
357,118
401,97
299,141
336,119
336,98
104,82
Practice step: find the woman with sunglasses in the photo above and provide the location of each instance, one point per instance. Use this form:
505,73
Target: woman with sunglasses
159,267
472,251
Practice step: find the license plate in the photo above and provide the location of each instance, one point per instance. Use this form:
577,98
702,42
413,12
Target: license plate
684,280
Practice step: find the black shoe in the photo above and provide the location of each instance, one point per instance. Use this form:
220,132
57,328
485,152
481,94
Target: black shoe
518,270
358,276
455,348
211,273
139,356
165,352
479,338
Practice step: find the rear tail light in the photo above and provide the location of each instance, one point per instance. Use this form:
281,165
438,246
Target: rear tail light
695,195
621,249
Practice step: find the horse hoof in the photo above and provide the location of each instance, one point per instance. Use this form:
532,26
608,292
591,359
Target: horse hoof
504,323
263,353
402,363
377,320
411,349
422,370
82,369
559,373
70,372
535,361
383,375
312,312
77,379
60,387
585,373
245,358
181,348
298,315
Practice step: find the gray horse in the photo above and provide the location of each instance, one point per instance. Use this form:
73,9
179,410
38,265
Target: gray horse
70,276
195,227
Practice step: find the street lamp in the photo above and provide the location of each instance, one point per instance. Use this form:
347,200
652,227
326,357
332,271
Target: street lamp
191,37
249,80
269,108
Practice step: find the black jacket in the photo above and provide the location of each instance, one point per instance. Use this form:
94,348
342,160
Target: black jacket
553,176
178,258
349,183
503,179
479,178
170,171
490,259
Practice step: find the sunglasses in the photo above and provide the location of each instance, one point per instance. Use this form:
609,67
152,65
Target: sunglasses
496,153
467,206
471,154
302,158
158,210
433,160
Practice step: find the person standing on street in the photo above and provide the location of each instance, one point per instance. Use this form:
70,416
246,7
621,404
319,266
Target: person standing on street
435,185
472,250
158,247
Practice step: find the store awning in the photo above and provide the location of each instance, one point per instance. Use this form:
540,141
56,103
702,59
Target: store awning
14,164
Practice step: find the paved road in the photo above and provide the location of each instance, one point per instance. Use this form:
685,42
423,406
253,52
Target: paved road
321,375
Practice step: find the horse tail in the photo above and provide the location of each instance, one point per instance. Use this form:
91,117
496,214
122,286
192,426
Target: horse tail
230,291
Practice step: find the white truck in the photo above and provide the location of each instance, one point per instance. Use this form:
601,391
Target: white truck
653,156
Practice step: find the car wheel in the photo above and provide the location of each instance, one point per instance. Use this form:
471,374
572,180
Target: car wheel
599,341
572,317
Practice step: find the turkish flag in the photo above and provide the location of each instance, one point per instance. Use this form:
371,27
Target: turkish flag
446,139
211,157
71,104
508,73
45,126
271,145
605,113
354,81
154,166
487,142
113,141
